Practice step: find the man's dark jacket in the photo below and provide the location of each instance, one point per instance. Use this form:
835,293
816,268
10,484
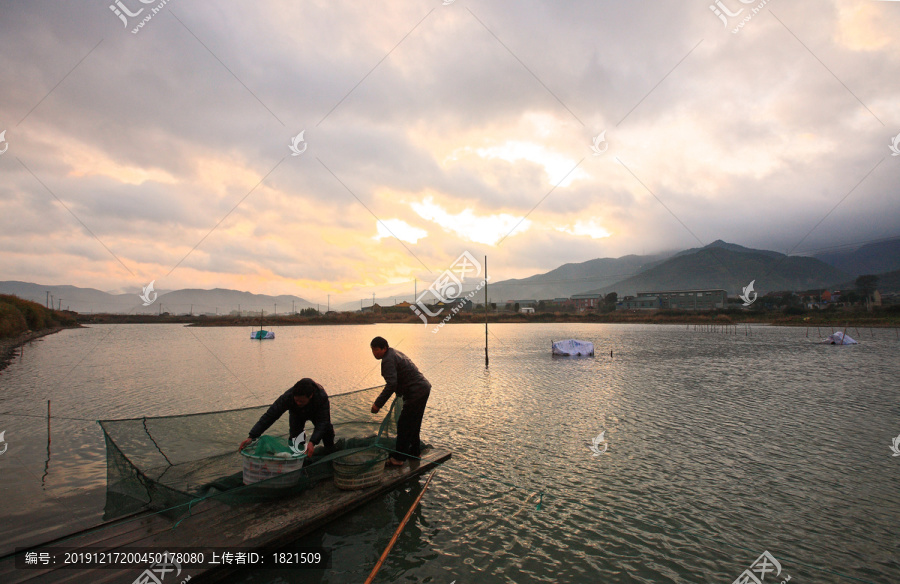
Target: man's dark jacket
401,376
318,411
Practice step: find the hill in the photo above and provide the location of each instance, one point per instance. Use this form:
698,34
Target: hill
573,278
90,300
717,266
889,282
18,316
873,258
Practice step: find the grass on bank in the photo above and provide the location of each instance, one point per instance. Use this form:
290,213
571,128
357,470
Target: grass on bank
18,316
888,316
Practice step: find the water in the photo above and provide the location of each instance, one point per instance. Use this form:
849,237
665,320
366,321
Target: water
720,446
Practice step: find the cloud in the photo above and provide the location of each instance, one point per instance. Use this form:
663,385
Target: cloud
487,229
450,125
399,229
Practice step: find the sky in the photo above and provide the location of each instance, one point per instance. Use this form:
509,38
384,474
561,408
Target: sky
333,148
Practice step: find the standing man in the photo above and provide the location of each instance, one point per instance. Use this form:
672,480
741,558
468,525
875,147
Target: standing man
307,401
402,377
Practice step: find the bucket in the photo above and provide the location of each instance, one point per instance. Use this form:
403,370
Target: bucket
359,470
263,468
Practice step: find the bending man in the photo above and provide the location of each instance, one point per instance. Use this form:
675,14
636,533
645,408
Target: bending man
401,376
307,401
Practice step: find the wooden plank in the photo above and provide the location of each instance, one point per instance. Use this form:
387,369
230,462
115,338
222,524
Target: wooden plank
215,524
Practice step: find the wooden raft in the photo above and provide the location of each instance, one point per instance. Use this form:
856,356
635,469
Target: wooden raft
213,524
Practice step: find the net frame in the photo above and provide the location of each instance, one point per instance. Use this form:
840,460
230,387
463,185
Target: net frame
168,463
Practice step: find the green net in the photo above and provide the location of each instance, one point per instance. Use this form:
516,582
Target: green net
168,463
274,447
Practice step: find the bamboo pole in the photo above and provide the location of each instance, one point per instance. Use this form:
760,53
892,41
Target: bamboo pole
486,361
390,545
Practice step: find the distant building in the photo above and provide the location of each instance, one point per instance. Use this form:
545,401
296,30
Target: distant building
708,299
526,310
641,303
586,301
559,304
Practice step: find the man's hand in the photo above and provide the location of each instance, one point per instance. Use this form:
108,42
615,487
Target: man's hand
375,409
309,448
244,444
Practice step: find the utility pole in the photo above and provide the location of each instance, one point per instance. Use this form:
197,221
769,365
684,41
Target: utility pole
47,304
292,307
239,310
60,304
329,303
485,314
373,300
160,309
192,310
276,309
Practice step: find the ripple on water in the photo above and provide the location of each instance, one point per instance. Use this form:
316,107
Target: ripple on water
719,446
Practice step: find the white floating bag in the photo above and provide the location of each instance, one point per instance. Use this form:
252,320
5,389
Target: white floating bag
572,347
839,338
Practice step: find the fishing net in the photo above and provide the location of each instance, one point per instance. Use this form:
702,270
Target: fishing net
167,463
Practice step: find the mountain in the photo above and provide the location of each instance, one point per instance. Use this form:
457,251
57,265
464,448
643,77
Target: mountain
221,301
72,297
887,282
873,258
571,279
723,266
719,244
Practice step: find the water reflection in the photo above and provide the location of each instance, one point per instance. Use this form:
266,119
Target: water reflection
717,444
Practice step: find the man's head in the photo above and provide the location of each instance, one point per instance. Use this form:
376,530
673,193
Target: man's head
303,391
379,347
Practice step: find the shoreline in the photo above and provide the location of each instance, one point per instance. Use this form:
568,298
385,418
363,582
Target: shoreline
9,345
837,319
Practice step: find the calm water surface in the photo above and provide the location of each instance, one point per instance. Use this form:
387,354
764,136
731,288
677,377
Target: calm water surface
720,446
